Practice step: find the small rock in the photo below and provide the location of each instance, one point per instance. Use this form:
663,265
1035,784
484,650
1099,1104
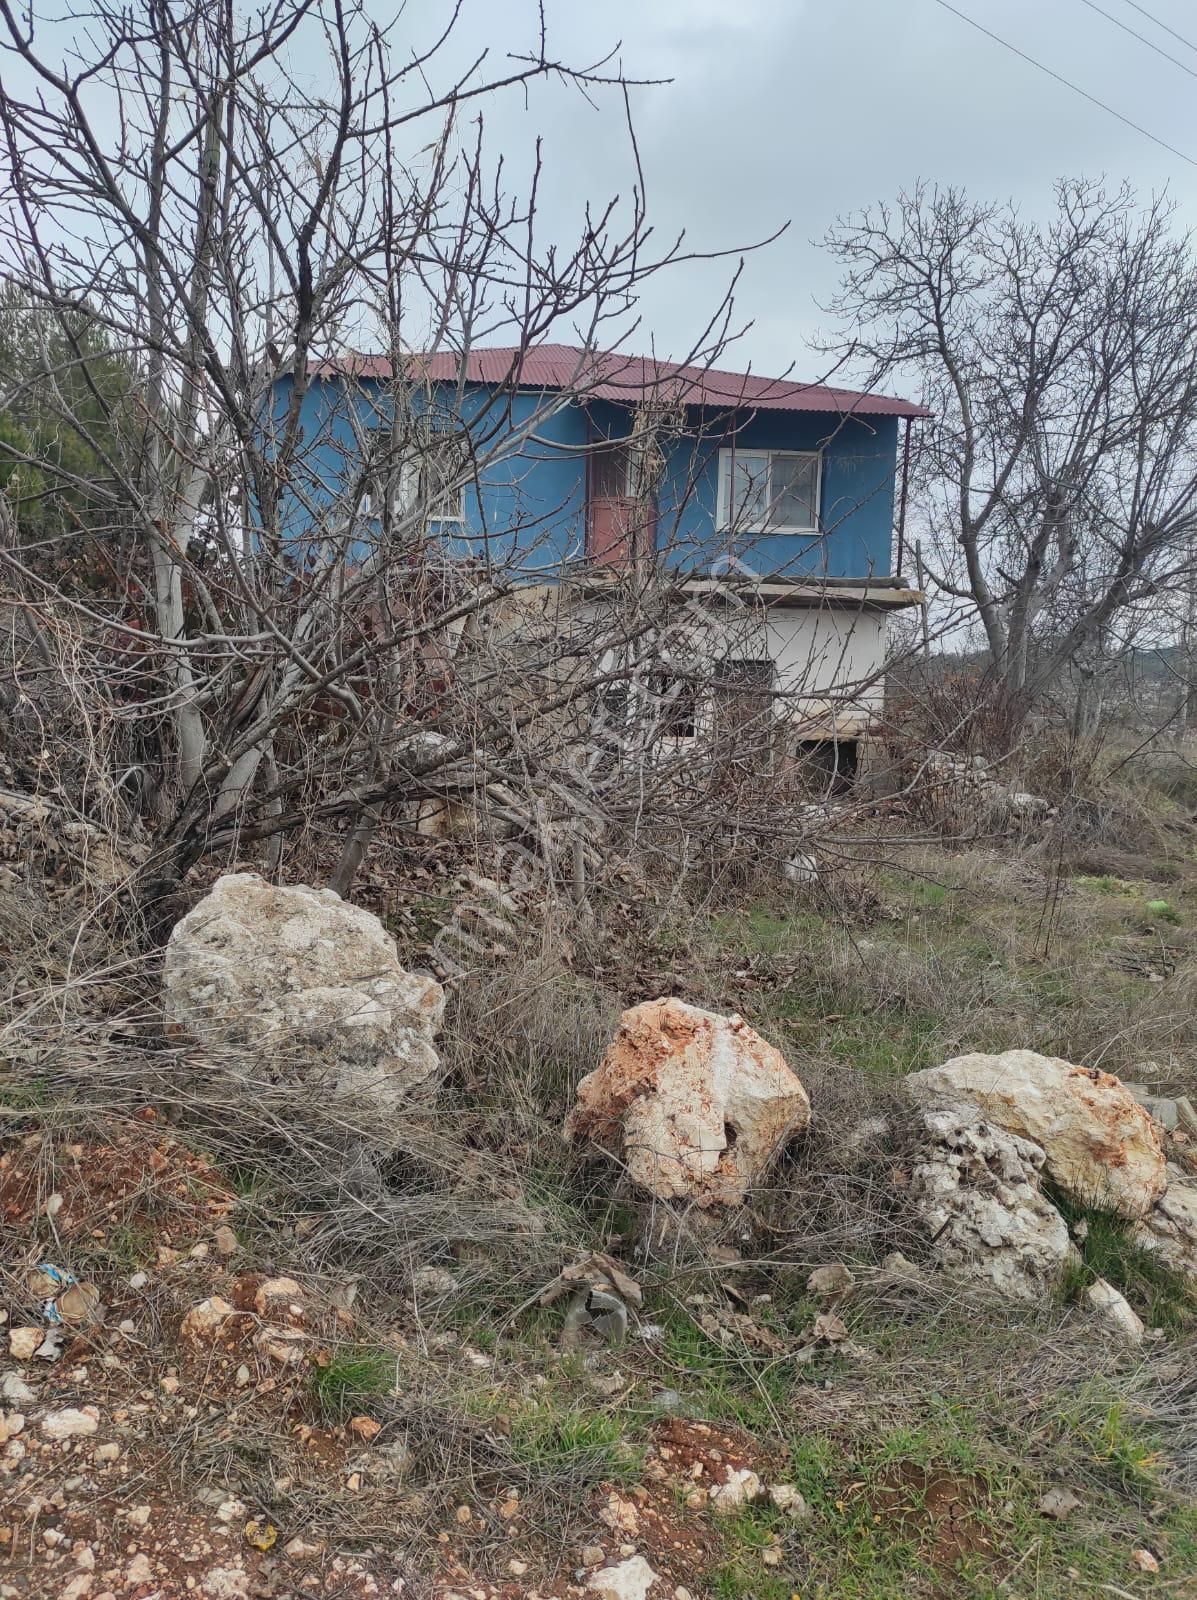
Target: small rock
139,1516
667,1400
620,1515
789,1501
241,1377
283,1345
225,1583
169,1383
1057,1504
23,1342
1145,1561
897,1266
366,1428
205,1320
1115,1310
108,1452
833,1279
434,1283
593,1555
75,1588
276,1289
139,1570
739,1488
303,1549
11,1423
15,1390
225,1240
517,1568
139,1280
1165,1112
70,1423
231,1510
628,1580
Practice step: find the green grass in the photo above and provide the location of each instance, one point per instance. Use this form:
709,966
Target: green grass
350,1379
1161,1296
554,1441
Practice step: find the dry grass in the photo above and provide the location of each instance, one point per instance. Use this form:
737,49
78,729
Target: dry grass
891,964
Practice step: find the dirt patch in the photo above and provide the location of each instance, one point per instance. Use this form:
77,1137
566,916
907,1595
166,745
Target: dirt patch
682,1446
939,1510
139,1178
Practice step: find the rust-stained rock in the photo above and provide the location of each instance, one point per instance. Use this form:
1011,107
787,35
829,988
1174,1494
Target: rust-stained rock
697,1103
1100,1146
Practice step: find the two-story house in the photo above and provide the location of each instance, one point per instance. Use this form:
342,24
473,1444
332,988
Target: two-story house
764,509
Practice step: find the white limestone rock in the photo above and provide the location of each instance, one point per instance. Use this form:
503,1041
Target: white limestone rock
313,982
1115,1311
976,1188
1100,1147
1170,1227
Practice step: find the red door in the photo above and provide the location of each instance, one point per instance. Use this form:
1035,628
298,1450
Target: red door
619,527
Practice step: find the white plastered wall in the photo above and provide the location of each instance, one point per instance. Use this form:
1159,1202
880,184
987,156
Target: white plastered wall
828,658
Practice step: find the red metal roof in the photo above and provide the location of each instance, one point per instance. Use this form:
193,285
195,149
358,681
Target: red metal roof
607,375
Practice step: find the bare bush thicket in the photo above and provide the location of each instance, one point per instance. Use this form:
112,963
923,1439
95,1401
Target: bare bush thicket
280,651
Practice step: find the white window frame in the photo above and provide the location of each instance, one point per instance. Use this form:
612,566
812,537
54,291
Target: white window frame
458,516
409,488
724,518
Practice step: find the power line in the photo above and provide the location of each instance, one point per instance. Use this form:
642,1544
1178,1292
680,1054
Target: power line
1142,37
1067,82
1143,12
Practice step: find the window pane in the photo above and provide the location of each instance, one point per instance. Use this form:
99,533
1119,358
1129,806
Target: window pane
445,461
794,487
750,488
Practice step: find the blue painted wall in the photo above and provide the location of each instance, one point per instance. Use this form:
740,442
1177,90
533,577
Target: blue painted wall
528,513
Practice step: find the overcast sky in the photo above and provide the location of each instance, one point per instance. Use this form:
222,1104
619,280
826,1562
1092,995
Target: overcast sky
792,110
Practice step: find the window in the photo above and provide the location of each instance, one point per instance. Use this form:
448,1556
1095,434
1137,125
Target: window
743,710
774,491
444,463
675,707
431,473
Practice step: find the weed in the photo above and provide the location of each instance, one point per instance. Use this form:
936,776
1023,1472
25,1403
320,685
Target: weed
1108,1250
554,1442
349,1378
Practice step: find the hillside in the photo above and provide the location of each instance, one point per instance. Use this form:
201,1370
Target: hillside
321,1368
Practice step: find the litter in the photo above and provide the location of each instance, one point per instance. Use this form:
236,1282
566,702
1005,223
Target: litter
63,1299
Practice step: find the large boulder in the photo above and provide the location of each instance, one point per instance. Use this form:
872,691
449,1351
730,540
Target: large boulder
696,1103
311,982
976,1190
1170,1227
1100,1147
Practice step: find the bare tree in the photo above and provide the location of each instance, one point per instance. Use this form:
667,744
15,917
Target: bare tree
178,184
1058,475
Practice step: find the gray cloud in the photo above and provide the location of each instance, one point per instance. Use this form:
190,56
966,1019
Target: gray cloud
789,110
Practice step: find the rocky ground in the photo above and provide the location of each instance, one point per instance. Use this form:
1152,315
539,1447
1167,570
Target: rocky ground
912,1314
